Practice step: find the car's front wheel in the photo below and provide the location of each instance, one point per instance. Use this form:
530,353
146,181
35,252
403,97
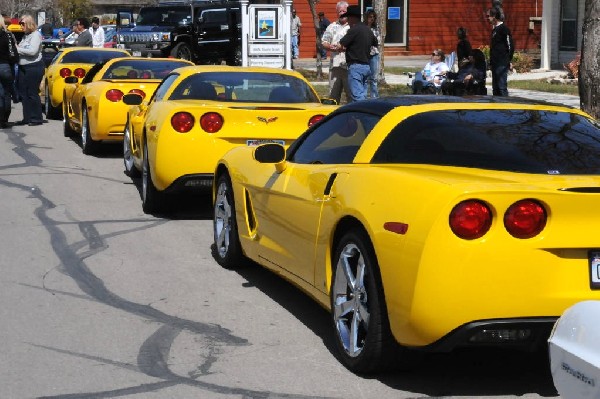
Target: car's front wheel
182,51
358,308
153,201
227,248
88,145
130,169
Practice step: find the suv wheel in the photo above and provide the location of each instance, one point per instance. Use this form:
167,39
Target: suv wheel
182,51
236,57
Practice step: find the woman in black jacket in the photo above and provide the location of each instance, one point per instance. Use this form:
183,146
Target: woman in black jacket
7,77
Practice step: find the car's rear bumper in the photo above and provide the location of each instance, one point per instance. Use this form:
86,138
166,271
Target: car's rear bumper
201,182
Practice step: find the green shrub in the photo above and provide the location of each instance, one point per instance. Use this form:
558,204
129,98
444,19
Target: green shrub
522,62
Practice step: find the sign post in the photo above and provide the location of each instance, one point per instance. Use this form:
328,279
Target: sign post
266,34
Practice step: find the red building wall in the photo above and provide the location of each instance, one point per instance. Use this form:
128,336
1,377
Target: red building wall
432,24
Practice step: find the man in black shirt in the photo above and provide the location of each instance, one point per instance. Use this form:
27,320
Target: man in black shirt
357,43
501,52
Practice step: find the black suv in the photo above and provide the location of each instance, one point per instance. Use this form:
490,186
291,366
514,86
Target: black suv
204,32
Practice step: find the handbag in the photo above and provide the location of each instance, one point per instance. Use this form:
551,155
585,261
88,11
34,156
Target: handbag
13,53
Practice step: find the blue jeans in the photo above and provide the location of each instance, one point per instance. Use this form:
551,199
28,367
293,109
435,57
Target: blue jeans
29,80
374,66
295,51
357,81
6,86
500,80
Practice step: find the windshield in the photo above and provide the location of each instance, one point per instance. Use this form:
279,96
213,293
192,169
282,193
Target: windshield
163,16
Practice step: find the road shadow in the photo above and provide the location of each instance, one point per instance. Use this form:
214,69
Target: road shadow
463,372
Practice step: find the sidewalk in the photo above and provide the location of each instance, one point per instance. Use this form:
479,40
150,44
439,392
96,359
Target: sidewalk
417,62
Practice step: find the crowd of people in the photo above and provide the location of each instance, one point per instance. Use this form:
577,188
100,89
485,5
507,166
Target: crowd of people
22,68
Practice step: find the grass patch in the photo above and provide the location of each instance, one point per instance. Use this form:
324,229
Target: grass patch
545,86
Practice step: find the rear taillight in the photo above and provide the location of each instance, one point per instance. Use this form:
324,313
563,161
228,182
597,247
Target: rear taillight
139,92
211,122
525,219
79,72
182,122
470,219
114,95
65,72
315,119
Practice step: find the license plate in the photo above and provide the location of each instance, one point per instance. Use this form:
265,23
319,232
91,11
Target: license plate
259,142
137,53
594,258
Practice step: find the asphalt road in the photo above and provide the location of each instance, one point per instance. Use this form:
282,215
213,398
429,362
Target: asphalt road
99,300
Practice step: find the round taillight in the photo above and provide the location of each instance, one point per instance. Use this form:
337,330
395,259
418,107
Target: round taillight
139,92
315,119
470,219
525,219
65,72
114,95
211,122
79,72
182,122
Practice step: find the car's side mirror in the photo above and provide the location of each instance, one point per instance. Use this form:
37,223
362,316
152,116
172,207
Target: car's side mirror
271,153
328,101
71,79
132,99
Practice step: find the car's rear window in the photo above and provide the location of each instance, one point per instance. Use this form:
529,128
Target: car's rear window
90,56
141,69
245,87
525,141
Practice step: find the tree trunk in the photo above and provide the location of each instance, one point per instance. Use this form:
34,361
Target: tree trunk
313,11
380,7
589,68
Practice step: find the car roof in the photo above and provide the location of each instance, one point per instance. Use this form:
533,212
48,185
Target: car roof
383,105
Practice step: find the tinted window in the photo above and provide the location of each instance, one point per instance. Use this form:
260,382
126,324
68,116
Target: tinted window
247,87
214,16
163,87
141,69
163,16
91,56
335,140
512,140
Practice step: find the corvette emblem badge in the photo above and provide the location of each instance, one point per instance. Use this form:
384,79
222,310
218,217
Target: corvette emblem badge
267,120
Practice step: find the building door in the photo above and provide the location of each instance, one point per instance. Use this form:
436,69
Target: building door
397,12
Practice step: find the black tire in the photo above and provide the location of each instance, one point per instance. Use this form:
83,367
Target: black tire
182,51
227,249
153,201
50,111
130,169
88,145
364,314
67,131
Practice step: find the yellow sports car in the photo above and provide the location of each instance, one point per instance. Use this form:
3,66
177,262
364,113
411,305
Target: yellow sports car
200,112
73,61
93,108
424,222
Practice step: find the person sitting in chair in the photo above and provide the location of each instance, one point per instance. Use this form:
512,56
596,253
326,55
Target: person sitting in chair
430,79
470,78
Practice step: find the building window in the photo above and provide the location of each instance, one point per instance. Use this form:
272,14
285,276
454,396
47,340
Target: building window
568,24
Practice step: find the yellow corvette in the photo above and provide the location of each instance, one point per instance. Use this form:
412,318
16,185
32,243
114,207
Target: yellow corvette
72,61
93,108
200,112
424,222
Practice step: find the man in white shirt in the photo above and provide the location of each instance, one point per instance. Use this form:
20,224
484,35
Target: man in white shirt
97,33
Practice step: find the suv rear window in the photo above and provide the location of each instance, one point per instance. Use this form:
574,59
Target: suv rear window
527,141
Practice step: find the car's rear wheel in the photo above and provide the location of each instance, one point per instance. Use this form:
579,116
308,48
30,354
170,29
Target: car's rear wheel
130,169
88,145
358,308
50,111
182,51
67,131
153,201
227,247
